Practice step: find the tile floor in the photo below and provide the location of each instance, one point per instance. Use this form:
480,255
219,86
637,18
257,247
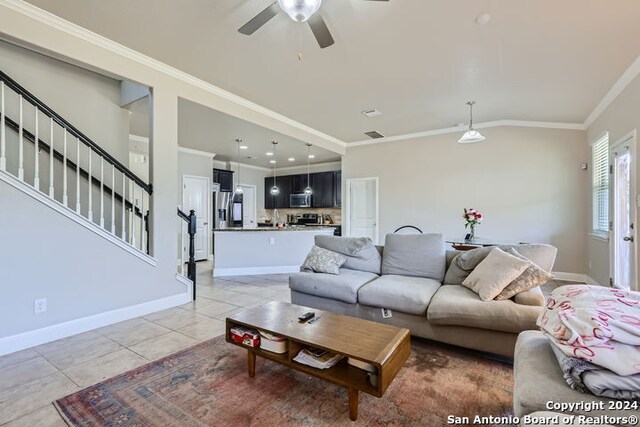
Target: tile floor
31,379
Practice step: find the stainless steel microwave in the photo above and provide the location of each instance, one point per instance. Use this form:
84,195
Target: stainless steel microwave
300,200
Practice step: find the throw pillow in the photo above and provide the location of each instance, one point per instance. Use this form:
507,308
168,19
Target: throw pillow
361,253
530,278
494,273
420,255
324,261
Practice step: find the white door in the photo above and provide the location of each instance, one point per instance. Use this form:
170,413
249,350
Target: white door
195,195
363,208
623,214
248,206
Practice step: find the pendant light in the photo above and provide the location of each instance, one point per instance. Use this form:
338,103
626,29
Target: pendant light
274,190
300,10
471,135
308,190
238,188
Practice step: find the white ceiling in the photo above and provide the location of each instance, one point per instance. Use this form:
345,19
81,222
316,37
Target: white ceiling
418,61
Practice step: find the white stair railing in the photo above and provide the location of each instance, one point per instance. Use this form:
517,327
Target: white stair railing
67,169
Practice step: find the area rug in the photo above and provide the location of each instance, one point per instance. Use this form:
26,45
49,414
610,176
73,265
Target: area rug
208,385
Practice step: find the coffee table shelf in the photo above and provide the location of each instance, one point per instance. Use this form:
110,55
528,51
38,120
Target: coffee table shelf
383,346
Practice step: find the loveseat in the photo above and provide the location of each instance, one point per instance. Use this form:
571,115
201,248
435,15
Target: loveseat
419,281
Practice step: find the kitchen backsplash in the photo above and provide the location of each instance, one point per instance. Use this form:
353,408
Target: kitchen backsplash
267,214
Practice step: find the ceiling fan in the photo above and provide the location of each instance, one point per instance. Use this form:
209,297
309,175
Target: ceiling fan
299,11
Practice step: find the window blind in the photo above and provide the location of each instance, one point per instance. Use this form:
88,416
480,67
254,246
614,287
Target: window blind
600,171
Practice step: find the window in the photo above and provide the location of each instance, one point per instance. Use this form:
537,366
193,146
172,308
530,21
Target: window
600,175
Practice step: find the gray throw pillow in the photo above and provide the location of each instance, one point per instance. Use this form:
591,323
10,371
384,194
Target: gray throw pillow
420,255
361,253
530,278
324,261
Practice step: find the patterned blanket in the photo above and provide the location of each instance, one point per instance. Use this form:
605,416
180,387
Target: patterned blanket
595,324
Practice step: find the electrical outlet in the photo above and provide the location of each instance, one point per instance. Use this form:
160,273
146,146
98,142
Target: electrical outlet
272,240
40,305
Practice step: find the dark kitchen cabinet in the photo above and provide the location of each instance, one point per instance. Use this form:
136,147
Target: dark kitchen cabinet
337,189
322,184
281,200
224,178
299,183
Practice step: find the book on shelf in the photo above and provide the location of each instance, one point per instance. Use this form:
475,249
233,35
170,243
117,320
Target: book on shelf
317,359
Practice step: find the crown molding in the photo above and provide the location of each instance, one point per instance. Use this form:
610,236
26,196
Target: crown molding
138,138
196,152
625,79
82,33
485,125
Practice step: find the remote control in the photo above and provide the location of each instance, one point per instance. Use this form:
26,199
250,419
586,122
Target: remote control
308,315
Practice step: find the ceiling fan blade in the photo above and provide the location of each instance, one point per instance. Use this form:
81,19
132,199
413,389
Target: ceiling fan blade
260,19
320,30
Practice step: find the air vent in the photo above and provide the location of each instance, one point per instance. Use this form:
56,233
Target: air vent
374,135
372,112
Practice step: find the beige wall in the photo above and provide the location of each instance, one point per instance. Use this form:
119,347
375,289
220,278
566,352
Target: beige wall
620,118
526,181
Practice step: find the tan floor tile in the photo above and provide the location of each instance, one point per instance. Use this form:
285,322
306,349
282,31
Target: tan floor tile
231,297
204,330
47,416
17,357
180,319
161,314
72,342
164,345
26,371
28,397
122,326
142,332
104,367
211,308
230,313
69,352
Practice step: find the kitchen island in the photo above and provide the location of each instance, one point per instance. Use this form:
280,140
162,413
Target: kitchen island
246,251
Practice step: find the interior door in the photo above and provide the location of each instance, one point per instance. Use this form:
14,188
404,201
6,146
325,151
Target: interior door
623,214
248,206
195,195
363,208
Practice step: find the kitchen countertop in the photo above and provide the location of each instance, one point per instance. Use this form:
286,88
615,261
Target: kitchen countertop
260,229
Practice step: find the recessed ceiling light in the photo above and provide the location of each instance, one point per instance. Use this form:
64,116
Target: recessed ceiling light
243,147
372,112
269,153
292,159
483,19
272,161
312,156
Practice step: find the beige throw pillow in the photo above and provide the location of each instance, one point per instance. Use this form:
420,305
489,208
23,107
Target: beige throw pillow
494,273
324,261
530,278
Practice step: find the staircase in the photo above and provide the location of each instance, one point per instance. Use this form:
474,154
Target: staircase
43,151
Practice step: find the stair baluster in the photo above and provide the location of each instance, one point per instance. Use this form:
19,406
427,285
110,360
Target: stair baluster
36,155
78,206
3,136
21,144
65,193
90,195
113,199
51,156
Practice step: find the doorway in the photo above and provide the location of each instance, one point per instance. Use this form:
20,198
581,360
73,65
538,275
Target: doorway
362,205
249,208
623,213
195,195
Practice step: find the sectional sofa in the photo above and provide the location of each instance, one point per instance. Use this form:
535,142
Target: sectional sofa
417,279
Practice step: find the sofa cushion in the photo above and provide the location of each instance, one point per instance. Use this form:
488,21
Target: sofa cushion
420,255
406,294
538,380
533,296
343,286
361,253
457,305
324,261
542,255
494,273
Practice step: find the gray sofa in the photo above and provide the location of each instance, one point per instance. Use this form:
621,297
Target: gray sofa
406,276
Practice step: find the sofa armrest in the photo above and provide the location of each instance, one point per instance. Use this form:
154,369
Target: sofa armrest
531,297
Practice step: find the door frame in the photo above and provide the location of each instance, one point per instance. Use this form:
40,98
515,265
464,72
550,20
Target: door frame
630,139
347,217
209,209
255,202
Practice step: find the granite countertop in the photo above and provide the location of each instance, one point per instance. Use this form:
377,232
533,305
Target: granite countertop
298,228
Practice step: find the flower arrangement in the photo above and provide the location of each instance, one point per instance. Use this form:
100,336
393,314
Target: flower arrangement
472,218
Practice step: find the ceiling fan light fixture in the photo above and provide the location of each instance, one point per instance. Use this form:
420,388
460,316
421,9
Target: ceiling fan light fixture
300,10
471,135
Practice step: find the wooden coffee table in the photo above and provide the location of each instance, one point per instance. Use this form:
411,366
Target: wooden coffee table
383,346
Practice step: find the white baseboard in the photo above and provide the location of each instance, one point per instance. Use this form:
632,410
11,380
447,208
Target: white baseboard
62,330
245,271
574,277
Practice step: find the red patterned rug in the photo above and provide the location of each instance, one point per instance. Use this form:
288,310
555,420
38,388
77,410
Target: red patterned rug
207,385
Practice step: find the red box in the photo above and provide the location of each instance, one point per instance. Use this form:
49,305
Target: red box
245,336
